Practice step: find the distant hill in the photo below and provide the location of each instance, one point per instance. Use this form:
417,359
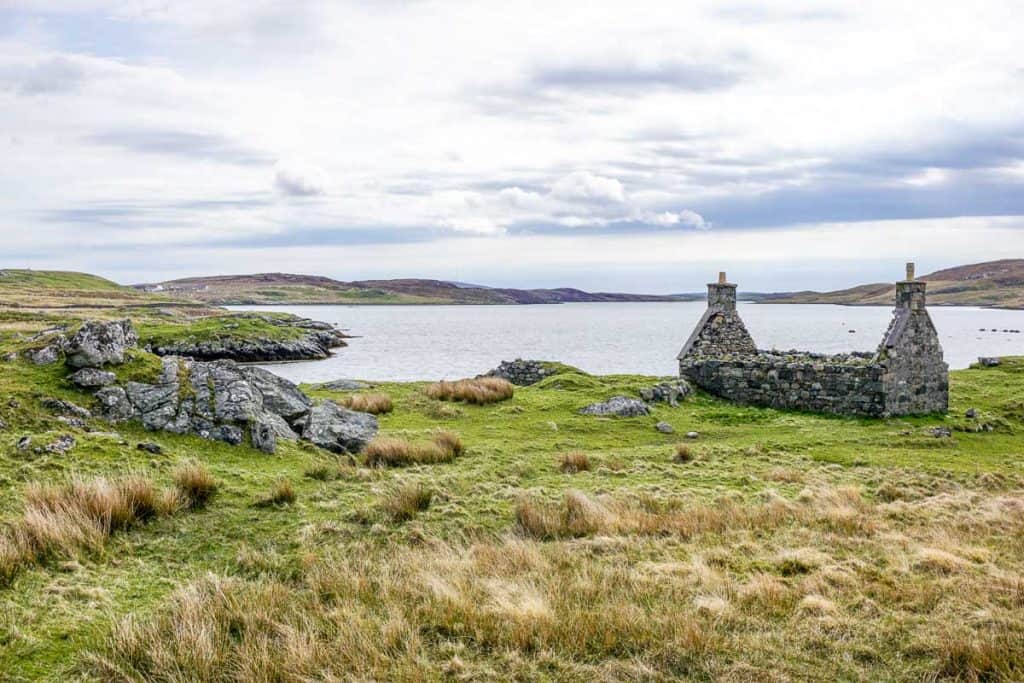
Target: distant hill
286,288
998,284
24,288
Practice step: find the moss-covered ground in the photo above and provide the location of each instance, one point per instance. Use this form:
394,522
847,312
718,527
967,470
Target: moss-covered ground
54,614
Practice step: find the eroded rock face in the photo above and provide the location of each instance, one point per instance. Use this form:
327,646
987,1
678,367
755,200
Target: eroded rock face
621,406
338,429
100,342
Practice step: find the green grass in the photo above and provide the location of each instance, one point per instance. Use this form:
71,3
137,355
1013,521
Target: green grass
55,613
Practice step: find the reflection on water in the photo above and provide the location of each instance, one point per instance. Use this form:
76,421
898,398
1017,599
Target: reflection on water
432,342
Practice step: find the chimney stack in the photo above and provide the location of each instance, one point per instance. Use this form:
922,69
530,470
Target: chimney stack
722,294
910,293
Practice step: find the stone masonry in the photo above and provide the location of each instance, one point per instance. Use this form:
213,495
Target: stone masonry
905,376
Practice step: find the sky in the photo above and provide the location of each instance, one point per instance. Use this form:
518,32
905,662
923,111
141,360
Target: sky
637,147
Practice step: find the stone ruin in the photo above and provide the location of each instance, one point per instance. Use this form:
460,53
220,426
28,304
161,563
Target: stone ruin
906,375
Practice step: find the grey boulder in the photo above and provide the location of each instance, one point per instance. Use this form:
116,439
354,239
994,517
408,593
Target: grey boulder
90,378
44,356
338,429
620,406
664,428
100,342
280,396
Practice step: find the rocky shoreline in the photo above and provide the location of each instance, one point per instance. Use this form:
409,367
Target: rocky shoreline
315,344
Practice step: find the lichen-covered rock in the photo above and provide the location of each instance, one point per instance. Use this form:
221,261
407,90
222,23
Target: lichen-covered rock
91,378
338,429
114,405
100,342
62,407
667,392
280,396
44,356
621,406
264,438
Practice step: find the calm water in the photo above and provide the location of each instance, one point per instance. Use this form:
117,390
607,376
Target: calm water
447,342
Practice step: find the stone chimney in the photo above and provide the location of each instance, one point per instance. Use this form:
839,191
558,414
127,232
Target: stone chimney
910,292
722,294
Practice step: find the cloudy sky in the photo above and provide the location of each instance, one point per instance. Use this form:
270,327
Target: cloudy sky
636,146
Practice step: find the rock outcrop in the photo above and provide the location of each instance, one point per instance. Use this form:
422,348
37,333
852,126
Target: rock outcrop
219,400
99,342
315,344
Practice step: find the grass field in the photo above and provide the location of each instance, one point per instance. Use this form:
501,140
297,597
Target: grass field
782,546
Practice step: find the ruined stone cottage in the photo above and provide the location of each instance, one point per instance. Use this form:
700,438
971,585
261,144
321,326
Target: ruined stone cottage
905,376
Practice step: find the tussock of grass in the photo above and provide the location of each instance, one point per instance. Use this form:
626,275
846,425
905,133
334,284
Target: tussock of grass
196,484
393,452
281,493
377,403
573,462
683,453
406,500
60,520
479,391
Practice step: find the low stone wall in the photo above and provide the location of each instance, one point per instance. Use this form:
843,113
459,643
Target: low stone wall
521,372
848,384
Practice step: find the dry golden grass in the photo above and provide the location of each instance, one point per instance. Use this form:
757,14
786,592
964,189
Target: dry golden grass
683,453
405,501
61,520
479,391
281,493
631,589
376,403
195,483
393,452
573,462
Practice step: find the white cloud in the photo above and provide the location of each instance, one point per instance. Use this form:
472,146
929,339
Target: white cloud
684,218
300,180
586,186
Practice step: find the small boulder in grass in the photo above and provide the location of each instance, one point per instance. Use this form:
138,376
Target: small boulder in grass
692,435
620,406
665,428
150,447
988,362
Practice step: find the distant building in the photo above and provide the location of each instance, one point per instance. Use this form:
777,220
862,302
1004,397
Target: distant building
905,376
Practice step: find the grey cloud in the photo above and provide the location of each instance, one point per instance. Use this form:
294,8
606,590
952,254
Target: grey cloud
625,78
755,14
185,144
49,76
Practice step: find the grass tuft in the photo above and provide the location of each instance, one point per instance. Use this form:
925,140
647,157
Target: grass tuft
393,452
377,403
573,462
406,500
479,391
195,483
282,493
